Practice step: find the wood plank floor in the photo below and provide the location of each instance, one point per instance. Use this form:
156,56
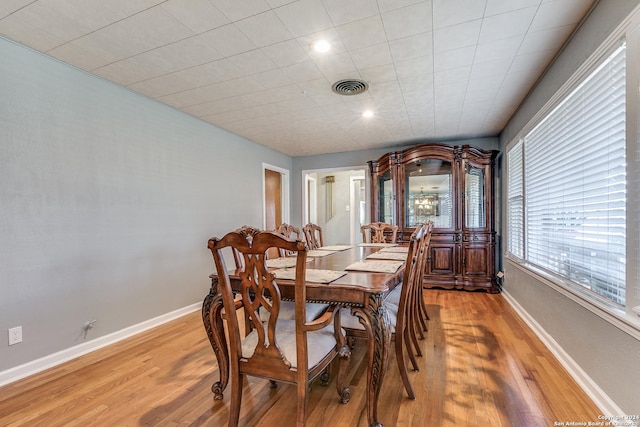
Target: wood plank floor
482,366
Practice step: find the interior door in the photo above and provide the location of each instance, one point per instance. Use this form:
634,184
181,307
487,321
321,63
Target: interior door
272,199
272,203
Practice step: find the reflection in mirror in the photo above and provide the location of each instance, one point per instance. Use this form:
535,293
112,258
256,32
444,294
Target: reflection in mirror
428,193
385,196
474,193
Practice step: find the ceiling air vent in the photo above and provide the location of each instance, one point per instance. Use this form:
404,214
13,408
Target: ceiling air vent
349,87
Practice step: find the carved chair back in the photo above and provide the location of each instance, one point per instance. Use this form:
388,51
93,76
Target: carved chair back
313,235
379,232
289,231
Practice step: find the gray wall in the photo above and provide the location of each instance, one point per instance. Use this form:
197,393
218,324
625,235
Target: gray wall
608,355
107,201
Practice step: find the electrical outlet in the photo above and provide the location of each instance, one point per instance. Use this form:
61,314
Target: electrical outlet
15,335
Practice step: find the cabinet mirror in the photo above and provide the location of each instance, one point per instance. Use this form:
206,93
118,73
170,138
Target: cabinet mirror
385,196
428,193
474,197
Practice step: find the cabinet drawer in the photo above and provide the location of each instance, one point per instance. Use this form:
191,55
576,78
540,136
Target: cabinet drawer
476,237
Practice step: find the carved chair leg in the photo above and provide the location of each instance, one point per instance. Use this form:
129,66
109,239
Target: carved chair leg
344,357
212,319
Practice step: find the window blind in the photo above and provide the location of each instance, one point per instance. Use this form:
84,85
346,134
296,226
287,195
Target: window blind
515,209
575,185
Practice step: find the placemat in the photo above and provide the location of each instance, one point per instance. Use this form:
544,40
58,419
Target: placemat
400,249
312,275
282,262
378,245
376,266
317,253
335,248
399,256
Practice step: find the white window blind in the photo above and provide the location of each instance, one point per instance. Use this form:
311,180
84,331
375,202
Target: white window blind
515,212
575,185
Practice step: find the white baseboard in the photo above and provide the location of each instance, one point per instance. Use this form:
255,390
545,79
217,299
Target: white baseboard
46,362
590,387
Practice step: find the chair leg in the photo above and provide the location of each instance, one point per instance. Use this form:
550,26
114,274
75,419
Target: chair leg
236,399
413,327
402,366
301,407
344,357
421,310
411,345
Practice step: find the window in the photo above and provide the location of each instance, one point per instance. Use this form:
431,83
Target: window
567,186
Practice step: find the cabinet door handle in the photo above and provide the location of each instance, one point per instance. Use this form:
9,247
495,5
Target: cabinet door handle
475,238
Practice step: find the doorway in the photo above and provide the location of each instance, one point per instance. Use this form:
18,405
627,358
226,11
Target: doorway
336,198
275,186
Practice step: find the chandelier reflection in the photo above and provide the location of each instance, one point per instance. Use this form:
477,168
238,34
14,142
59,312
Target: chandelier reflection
424,204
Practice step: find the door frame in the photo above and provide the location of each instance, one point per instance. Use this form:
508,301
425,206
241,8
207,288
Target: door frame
309,211
352,206
284,192
305,196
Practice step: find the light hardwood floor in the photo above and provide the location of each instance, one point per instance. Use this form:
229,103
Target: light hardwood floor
482,366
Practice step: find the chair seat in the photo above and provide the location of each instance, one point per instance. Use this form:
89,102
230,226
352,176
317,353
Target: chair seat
394,296
314,310
391,302
349,321
288,310
319,342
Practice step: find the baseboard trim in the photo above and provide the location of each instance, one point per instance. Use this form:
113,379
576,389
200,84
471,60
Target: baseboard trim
49,361
590,387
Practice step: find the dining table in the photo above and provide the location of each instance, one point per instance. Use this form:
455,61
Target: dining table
363,292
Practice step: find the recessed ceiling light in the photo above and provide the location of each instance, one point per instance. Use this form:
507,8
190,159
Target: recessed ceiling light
321,46
367,114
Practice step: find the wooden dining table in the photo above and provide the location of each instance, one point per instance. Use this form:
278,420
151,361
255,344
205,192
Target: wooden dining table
361,291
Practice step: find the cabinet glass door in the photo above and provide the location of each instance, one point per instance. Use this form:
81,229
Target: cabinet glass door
474,197
428,193
385,197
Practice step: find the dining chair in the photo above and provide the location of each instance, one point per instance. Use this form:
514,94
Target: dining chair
313,235
289,350
287,308
417,321
402,314
289,231
424,259
379,232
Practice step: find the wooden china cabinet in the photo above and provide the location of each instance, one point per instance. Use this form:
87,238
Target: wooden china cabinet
453,186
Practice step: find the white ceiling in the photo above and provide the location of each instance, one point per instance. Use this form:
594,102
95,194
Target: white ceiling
437,69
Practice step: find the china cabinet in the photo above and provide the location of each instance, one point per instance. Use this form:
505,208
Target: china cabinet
453,186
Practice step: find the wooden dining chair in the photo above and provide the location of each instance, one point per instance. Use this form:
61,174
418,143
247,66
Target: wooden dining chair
313,235
379,232
293,351
287,308
289,231
424,259
402,314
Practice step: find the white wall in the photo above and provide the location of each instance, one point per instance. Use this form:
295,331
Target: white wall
606,354
107,199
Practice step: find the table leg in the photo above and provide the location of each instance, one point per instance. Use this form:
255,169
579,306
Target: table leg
375,320
212,319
